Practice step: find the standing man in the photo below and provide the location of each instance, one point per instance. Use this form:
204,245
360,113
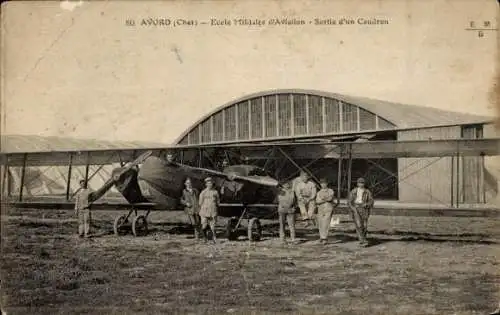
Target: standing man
82,209
324,201
286,211
190,201
305,191
360,203
209,204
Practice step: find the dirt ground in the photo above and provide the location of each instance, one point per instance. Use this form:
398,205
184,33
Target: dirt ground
416,266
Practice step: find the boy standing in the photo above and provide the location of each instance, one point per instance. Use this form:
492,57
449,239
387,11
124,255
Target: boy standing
286,211
82,209
209,203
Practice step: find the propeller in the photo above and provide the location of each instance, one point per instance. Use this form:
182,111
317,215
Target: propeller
140,159
260,180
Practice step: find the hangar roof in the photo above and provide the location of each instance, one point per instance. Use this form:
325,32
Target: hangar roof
297,112
35,143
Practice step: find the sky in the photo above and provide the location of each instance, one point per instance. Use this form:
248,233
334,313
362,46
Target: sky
75,69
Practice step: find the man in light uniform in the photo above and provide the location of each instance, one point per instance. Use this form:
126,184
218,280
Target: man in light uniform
360,203
82,209
209,203
305,191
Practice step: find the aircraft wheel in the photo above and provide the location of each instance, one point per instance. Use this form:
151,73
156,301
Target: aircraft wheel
254,230
231,233
119,226
140,226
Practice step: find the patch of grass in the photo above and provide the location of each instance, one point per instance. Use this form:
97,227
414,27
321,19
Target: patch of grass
47,273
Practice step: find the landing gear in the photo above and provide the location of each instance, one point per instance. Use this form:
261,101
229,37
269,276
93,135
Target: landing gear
139,224
254,230
232,229
119,227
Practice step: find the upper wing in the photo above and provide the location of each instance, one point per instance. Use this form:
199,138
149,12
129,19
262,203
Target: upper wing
259,180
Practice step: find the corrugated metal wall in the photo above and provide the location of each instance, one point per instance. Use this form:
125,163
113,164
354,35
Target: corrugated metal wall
491,169
428,180
436,180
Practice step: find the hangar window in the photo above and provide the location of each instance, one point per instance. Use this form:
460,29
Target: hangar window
284,115
384,124
243,121
270,115
472,131
256,117
350,119
299,112
366,120
194,135
184,140
315,115
230,123
205,132
332,119
217,128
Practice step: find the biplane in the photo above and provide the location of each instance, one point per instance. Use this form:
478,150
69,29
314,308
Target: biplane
161,181
147,178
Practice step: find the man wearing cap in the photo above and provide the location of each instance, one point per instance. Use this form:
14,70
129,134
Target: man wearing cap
305,191
361,202
209,203
190,201
324,201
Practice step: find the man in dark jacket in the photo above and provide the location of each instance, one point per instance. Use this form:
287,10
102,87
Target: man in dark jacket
360,203
190,202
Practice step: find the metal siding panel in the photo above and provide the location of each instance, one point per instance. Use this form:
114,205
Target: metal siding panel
300,115
243,127
366,120
230,123
315,115
350,119
256,118
472,190
384,124
284,115
491,168
270,115
426,180
205,131
217,127
332,115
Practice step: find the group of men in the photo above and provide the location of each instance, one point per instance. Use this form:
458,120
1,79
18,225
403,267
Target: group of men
317,206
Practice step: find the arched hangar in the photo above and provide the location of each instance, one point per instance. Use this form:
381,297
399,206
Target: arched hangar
298,115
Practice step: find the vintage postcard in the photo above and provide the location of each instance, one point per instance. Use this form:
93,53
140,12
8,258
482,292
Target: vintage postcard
250,157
